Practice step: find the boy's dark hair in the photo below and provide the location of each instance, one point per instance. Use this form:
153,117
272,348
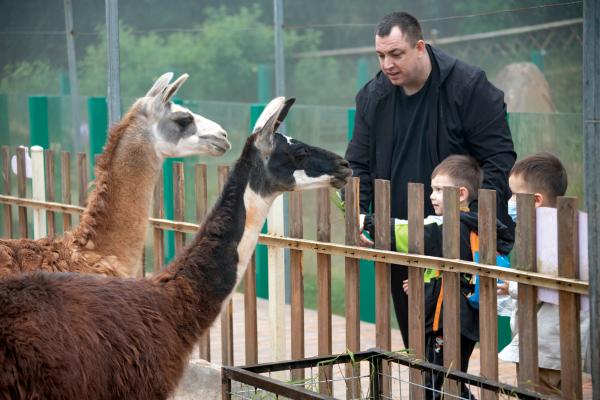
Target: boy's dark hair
544,173
408,25
464,171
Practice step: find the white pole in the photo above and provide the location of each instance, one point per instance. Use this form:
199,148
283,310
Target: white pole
38,190
275,220
276,282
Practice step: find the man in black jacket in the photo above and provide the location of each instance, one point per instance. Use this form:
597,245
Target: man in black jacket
421,107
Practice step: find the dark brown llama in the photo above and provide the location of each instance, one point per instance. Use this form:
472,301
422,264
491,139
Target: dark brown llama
110,237
72,336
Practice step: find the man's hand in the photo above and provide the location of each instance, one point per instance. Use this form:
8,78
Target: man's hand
363,240
405,286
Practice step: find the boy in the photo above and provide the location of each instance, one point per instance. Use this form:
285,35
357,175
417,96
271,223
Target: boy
463,172
543,175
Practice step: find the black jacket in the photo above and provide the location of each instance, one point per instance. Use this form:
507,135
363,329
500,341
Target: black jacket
469,316
469,116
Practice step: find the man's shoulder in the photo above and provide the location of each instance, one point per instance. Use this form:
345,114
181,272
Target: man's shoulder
376,88
453,70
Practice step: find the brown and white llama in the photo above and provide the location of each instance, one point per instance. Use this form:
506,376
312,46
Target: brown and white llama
110,237
76,336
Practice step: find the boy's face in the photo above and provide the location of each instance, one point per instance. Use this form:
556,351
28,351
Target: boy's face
518,185
437,192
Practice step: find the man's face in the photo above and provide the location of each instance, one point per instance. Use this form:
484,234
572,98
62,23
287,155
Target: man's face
399,59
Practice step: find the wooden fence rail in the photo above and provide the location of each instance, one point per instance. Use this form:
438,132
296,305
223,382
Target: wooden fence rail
524,270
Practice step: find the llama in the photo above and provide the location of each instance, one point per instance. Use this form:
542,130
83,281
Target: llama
110,237
67,336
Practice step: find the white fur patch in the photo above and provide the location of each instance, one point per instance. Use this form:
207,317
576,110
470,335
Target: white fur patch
289,139
257,208
304,181
274,107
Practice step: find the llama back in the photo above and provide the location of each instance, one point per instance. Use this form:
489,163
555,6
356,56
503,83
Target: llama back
91,337
57,254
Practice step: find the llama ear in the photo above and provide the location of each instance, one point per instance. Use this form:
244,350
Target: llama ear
160,84
266,120
170,90
269,120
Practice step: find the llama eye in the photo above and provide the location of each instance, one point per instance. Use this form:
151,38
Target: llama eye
184,121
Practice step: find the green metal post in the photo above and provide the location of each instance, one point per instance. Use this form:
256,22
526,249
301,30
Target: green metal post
265,83
38,121
168,199
367,268
98,126
4,124
262,259
54,120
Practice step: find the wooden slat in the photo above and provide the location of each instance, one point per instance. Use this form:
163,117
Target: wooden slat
65,184
201,195
383,333
451,287
526,258
22,191
342,250
250,315
297,283
158,237
352,274
178,202
569,303
50,190
227,313
6,189
382,270
324,289
416,293
82,177
488,322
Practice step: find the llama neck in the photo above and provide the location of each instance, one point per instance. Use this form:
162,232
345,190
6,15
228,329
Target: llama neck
116,217
214,263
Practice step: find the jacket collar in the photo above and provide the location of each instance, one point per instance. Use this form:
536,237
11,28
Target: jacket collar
439,59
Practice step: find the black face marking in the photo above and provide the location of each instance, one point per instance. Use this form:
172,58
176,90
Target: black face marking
293,155
177,125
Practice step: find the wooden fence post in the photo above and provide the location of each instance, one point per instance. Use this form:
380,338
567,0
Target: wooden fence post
65,183
297,284
82,174
526,260
352,203
569,303
488,320
416,293
22,190
158,242
179,202
8,228
324,289
383,334
50,189
451,288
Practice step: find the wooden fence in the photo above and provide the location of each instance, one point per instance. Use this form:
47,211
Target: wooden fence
524,271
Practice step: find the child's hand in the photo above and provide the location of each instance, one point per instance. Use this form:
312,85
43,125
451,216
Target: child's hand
405,286
502,288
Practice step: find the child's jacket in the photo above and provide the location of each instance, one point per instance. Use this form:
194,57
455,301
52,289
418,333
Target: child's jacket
433,284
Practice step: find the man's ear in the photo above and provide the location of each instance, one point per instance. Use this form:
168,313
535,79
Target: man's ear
420,46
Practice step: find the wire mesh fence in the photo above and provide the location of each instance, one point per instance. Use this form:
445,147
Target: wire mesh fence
372,374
